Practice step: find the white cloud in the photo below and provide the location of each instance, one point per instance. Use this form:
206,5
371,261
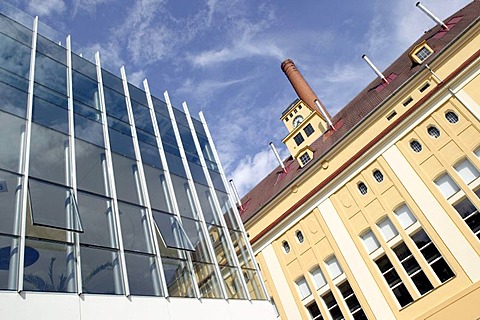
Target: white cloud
205,89
88,6
46,7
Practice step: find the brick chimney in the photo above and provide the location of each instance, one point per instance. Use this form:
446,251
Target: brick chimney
301,87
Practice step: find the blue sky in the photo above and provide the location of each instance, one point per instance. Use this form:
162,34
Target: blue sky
223,56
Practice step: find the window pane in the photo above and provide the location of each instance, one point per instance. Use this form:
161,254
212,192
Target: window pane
142,274
253,284
53,206
157,188
370,241
12,100
85,90
178,277
50,115
220,247
240,247
49,266
115,104
135,229
49,165
467,171
227,210
334,267
405,216
14,56
12,129
447,186
91,167
8,254
207,280
232,281
150,154
402,295
318,278
442,270
175,163
421,281
127,181
172,232
184,197
388,229
51,73
142,117
97,220
88,130
100,271
206,202
196,236
10,193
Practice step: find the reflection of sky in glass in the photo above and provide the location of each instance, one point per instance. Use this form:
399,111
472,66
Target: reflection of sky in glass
11,129
14,56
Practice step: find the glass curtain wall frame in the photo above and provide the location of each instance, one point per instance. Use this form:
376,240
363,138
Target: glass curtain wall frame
196,202
232,204
231,250
173,208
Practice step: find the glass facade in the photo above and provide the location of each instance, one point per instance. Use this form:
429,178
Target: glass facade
105,189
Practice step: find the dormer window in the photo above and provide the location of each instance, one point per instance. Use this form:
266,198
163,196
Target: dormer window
305,158
420,52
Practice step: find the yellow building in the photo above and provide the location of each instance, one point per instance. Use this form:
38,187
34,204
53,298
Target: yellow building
375,214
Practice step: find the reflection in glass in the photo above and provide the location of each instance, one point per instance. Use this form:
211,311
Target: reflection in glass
240,247
150,154
126,179
178,277
184,197
142,117
12,100
85,90
50,115
84,66
51,49
14,56
115,104
12,129
121,143
175,164
253,284
53,206
97,220
196,236
210,214
8,262
51,96
91,167
142,274
157,188
15,30
100,271
220,247
10,193
49,266
135,229
228,211
171,231
88,130
207,280
232,282
51,73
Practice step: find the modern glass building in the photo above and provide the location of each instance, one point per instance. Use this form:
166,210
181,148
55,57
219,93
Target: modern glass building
109,194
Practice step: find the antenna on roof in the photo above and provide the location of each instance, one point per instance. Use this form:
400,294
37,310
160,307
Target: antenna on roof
278,157
324,114
235,192
370,63
431,15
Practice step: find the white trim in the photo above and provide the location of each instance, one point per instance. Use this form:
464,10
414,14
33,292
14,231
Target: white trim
469,103
373,295
280,284
458,245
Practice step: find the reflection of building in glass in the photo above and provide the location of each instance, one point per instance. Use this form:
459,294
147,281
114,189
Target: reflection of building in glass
376,215
106,190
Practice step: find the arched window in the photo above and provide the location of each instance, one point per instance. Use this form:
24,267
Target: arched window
416,146
299,235
433,132
378,175
451,117
362,187
286,246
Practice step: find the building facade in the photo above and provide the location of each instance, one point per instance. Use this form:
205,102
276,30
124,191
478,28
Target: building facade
113,204
380,219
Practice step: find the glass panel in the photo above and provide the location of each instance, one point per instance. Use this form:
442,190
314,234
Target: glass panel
422,283
175,163
442,270
227,210
121,142
187,140
100,271
388,229
465,208
222,252
97,220
84,66
303,288
12,100
314,311
137,94
178,277
232,283
240,247
150,154
51,73
180,117
10,193
197,172
160,106
217,181
51,49
405,216
172,232
467,171
197,124
197,238
115,104
184,197
49,266
157,188
8,256
254,285
207,280
142,117
91,167
135,229
402,295
332,306
370,241
49,165
12,129
334,267
50,115
142,275
447,186
166,130
14,56
318,278
13,80
85,90
112,81
126,179
15,30
206,202
53,206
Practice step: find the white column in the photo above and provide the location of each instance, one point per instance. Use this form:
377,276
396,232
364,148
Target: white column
372,293
438,218
280,283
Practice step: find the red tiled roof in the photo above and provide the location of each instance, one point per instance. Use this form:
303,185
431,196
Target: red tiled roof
358,110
